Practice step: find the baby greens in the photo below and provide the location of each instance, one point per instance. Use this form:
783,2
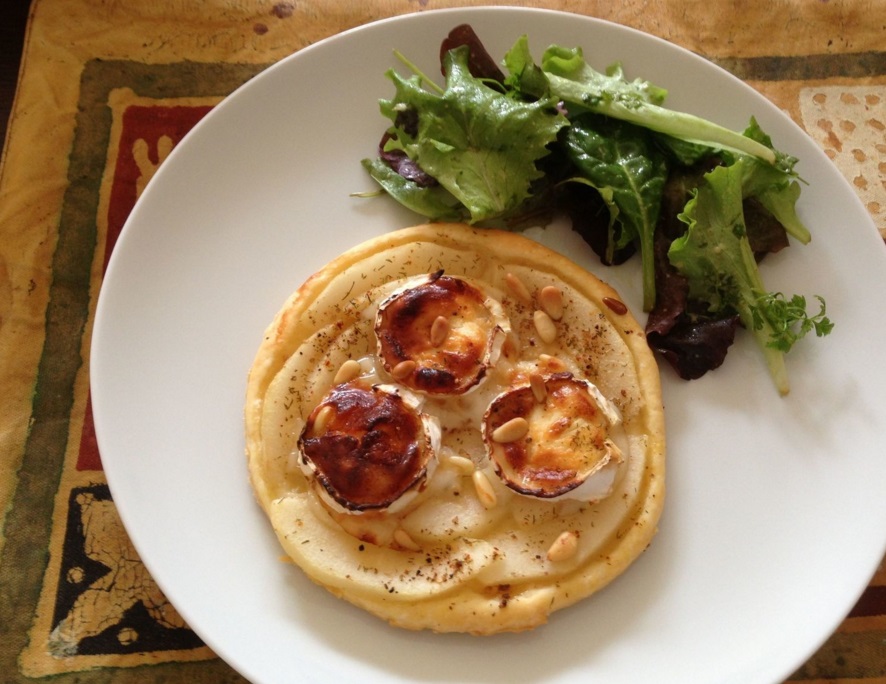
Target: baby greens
624,165
567,76
480,145
702,204
716,257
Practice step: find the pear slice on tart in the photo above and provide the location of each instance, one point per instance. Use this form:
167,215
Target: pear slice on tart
453,429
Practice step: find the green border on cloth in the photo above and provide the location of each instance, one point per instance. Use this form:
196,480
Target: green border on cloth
29,522
856,65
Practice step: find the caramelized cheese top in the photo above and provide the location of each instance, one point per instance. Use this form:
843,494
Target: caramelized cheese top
437,335
367,449
566,441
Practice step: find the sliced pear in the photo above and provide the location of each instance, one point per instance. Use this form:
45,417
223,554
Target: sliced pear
339,561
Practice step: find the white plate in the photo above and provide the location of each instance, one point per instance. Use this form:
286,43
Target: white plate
775,518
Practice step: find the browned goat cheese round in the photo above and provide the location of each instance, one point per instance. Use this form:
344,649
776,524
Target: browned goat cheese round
455,430
554,437
365,447
439,334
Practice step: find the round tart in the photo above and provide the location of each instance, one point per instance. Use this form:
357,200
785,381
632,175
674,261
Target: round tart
457,429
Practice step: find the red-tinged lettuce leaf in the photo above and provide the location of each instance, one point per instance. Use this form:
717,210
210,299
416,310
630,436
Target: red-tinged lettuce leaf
691,342
693,348
479,144
590,217
400,162
480,62
765,233
431,201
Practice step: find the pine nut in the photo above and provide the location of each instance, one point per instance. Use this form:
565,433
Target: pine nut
483,487
539,390
462,464
544,326
321,420
439,330
617,306
551,363
517,288
564,547
348,371
403,369
551,301
511,346
511,431
402,538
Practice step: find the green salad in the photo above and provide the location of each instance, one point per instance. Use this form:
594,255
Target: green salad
512,143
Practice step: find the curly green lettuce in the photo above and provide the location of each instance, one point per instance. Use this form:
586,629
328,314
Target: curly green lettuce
715,256
493,148
480,145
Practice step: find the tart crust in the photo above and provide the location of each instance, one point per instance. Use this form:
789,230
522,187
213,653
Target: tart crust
468,554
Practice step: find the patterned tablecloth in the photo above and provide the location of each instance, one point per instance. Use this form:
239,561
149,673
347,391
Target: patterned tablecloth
107,88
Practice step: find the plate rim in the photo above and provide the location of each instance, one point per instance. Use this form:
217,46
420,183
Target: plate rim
97,341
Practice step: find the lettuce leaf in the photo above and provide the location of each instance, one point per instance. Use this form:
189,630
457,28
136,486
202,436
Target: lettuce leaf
434,202
775,186
623,164
479,144
572,80
715,256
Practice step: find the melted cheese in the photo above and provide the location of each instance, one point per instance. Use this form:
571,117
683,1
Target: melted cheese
368,447
569,448
571,451
439,334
